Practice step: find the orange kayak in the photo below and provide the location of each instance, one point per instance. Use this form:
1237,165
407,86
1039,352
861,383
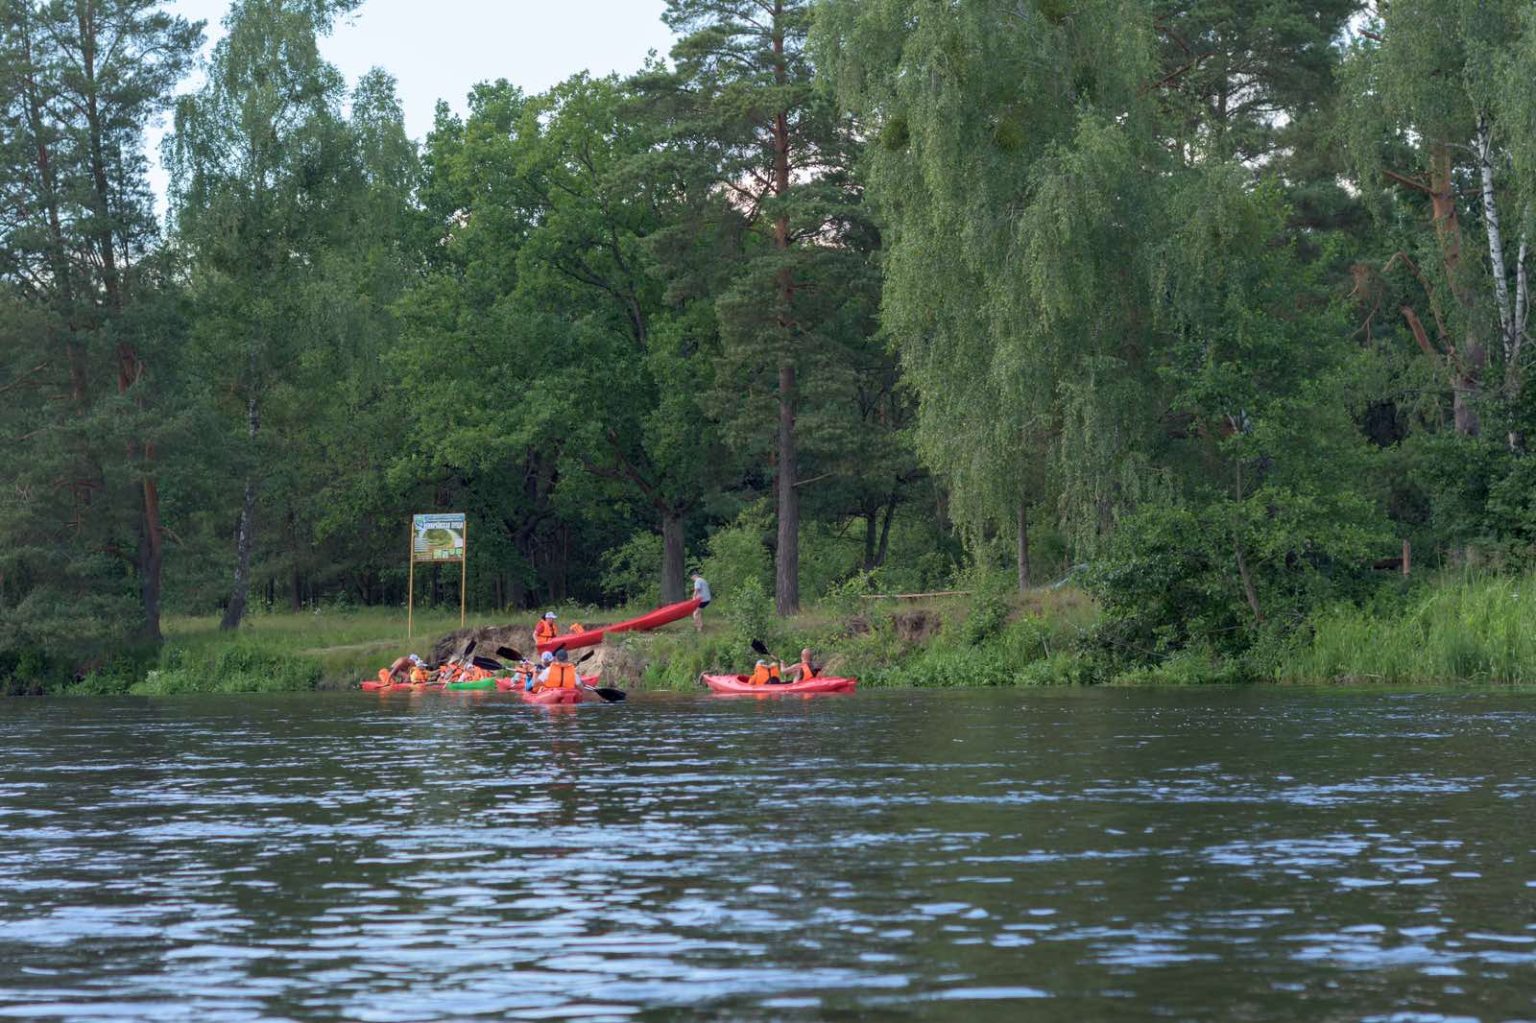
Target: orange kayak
737,685
373,685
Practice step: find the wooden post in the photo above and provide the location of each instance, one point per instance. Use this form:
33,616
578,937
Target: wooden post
464,572
1407,558
410,580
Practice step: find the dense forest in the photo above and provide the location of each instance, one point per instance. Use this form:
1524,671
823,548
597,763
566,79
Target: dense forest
1217,306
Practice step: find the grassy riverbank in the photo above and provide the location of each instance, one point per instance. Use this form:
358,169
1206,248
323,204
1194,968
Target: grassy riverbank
1454,630
271,652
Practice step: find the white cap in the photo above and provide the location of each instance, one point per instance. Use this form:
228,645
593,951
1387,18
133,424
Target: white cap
549,614
546,657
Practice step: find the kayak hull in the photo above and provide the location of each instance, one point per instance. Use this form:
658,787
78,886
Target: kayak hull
479,685
375,686
652,620
557,697
737,685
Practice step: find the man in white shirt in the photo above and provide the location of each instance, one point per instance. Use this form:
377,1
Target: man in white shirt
702,595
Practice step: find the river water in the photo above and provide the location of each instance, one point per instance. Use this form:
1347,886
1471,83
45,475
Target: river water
1258,854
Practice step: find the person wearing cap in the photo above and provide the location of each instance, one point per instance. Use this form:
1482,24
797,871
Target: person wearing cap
561,674
702,595
545,630
536,677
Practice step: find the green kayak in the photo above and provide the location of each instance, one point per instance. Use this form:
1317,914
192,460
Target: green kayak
478,685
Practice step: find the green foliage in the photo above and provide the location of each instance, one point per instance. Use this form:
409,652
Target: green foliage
749,610
237,668
1021,261
629,571
1474,629
738,556
991,605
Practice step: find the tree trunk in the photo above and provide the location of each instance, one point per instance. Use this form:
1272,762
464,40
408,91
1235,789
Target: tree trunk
1468,363
151,553
673,553
245,533
1250,591
1023,539
1495,239
885,529
130,365
787,557
871,536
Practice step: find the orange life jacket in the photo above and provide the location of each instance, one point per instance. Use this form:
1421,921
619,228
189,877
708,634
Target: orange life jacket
577,628
384,675
543,631
561,676
806,671
418,675
760,675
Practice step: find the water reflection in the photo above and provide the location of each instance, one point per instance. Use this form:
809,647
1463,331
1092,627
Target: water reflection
1113,855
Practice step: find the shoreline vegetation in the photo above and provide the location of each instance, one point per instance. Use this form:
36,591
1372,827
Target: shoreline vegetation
840,298
1456,631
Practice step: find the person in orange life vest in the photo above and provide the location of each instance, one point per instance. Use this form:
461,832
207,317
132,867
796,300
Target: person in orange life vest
545,630
561,674
805,669
765,674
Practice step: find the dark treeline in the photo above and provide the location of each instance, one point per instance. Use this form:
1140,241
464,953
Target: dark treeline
1226,299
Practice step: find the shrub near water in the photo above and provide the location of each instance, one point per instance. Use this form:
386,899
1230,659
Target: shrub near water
1477,630
241,668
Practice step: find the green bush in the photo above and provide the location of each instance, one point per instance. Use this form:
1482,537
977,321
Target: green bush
749,610
738,555
241,668
1472,630
629,571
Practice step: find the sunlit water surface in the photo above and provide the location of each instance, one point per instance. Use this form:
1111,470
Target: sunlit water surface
1074,856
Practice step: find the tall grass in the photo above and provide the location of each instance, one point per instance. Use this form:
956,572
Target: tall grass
1474,629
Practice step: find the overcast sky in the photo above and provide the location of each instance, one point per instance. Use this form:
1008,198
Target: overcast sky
438,49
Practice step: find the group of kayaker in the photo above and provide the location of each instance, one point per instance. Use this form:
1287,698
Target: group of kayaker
772,673
552,671
412,670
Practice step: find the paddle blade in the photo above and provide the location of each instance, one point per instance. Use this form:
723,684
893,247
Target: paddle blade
488,663
611,695
584,658
509,653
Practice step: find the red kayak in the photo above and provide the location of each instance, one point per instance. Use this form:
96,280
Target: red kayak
558,697
737,685
654,620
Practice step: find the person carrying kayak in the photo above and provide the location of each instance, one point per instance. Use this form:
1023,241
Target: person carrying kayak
561,674
546,629
702,595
